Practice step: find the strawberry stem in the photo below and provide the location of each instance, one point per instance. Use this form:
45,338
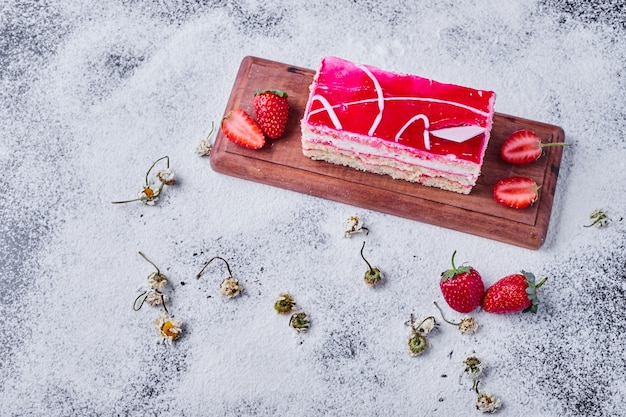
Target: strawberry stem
540,283
453,266
279,93
451,273
547,145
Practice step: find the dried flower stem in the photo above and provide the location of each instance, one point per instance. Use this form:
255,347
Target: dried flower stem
157,193
368,264
211,260
150,262
145,295
443,316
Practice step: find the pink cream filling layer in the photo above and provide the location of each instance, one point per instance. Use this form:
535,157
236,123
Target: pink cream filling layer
368,148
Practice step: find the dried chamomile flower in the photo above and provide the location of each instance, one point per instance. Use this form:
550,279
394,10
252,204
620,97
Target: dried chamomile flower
599,219
425,325
418,343
169,328
487,402
167,176
353,225
467,325
155,297
300,322
152,296
284,304
373,276
229,287
149,195
157,280
205,147
472,368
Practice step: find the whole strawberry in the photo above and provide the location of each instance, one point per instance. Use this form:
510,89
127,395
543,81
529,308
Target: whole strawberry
462,287
512,294
272,109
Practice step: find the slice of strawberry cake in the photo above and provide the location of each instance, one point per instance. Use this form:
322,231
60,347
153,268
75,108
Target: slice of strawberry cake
406,126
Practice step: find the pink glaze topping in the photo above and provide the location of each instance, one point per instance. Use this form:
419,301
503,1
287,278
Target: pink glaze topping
406,109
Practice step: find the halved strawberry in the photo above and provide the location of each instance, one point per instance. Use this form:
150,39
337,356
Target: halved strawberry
524,146
516,192
239,127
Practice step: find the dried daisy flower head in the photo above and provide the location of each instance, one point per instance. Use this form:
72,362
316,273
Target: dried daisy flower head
205,147
418,343
467,325
155,297
151,193
598,218
229,287
372,276
353,225
487,402
167,176
284,304
472,369
425,325
169,328
300,322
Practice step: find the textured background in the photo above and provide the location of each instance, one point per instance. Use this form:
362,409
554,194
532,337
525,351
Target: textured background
93,92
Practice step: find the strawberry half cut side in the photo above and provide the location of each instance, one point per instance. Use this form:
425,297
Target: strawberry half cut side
523,147
516,192
239,127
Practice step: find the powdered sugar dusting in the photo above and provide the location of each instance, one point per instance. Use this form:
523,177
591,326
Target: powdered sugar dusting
93,93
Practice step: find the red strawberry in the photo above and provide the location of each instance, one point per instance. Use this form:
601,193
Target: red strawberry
462,287
516,192
512,294
524,146
240,127
271,108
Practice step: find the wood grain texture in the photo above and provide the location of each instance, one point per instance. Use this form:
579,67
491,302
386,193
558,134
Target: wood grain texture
281,163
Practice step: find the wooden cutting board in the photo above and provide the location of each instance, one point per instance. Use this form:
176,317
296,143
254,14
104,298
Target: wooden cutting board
281,163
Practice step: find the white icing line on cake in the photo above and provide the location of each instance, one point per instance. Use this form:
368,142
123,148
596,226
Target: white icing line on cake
379,98
328,108
410,122
434,100
458,134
